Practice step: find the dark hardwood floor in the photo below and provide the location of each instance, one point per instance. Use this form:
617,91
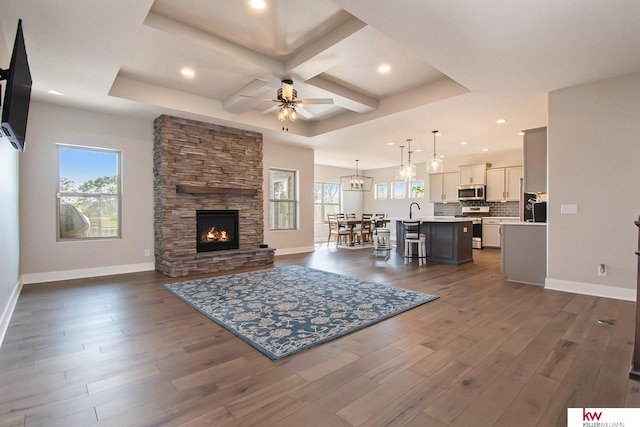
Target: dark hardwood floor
121,351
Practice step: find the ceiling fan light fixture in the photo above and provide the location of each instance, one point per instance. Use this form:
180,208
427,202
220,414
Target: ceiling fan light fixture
435,165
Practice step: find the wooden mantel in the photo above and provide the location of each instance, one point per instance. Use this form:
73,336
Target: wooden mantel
204,189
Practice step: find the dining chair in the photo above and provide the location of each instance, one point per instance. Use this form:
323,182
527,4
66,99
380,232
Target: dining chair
336,230
414,237
380,223
364,229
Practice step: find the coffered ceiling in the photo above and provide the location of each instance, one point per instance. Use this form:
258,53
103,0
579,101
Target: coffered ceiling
456,66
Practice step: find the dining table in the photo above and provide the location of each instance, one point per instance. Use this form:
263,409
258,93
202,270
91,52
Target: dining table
351,224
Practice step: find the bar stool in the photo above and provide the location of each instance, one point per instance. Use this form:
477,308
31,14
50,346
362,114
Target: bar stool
413,236
382,241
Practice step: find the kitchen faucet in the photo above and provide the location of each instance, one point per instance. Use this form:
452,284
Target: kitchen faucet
410,206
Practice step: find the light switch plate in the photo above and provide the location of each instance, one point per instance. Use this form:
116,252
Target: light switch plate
568,209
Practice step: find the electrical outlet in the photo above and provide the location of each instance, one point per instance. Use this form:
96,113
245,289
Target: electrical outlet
147,252
568,209
602,270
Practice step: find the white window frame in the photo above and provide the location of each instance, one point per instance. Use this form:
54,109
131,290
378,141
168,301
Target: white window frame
291,201
61,195
414,186
322,204
378,187
395,190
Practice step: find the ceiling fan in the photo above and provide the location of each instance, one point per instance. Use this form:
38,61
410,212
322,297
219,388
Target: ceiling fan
287,98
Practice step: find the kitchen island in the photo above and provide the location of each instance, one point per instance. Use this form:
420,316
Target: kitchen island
448,239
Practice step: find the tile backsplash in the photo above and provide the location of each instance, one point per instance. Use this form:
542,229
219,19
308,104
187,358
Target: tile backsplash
497,208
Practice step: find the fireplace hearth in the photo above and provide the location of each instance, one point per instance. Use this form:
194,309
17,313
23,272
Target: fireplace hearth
217,230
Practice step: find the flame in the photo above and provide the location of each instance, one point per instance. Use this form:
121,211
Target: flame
212,235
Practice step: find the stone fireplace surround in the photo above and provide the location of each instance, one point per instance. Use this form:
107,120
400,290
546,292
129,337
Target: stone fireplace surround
202,166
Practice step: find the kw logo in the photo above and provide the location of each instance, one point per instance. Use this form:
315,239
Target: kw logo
590,416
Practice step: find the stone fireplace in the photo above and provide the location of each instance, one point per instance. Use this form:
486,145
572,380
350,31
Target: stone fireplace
205,168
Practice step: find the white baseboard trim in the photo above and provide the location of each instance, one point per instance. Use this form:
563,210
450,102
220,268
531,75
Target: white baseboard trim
7,313
592,289
54,276
300,250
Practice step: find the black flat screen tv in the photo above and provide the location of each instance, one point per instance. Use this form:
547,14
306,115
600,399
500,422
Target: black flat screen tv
15,109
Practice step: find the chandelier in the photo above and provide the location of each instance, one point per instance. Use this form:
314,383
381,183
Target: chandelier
356,182
406,172
435,165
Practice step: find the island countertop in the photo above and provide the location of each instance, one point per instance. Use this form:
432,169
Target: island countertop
435,219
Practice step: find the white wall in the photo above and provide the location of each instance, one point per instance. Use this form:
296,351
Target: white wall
10,232
42,257
593,160
9,219
299,159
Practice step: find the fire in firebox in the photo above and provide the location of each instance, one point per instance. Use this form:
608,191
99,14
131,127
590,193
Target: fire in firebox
212,235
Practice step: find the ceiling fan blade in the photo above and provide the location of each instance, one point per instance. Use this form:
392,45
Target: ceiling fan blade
259,97
315,101
304,113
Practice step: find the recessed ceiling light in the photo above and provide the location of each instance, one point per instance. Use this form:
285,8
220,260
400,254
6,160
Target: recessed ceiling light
384,68
55,92
258,4
187,72
390,143
485,149
438,133
463,143
418,151
500,121
520,133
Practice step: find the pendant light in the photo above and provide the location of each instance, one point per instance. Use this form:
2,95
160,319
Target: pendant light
356,182
400,173
410,168
435,165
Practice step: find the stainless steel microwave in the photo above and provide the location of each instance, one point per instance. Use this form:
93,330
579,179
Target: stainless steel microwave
471,192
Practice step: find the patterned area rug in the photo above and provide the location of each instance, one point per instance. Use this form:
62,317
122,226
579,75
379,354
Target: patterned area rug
284,310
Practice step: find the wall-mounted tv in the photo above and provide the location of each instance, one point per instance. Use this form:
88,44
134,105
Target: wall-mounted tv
17,93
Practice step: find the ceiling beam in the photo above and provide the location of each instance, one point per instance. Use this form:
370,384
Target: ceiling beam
194,35
345,97
235,103
300,59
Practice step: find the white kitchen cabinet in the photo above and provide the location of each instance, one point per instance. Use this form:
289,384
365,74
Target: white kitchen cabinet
503,184
492,230
443,187
473,174
490,233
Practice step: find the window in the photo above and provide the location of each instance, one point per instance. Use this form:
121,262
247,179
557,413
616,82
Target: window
283,200
326,200
382,191
89,192
417,189
399,190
